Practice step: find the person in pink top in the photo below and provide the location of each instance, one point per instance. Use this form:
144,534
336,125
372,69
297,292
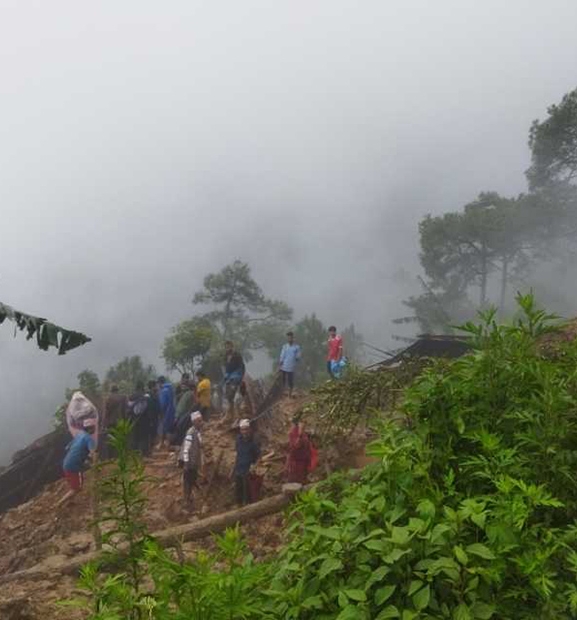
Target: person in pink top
335,349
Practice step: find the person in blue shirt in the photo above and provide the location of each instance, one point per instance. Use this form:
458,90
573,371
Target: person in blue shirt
77,451
168,409
290,355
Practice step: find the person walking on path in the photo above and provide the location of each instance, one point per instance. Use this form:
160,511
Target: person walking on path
78,450
247,454
290,355
334,350
203,394
299,461
234,370
167,407
191,457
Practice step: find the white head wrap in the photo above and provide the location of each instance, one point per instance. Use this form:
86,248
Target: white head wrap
244,423
196,415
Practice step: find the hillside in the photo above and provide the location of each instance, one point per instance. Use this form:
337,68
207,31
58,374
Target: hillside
37,534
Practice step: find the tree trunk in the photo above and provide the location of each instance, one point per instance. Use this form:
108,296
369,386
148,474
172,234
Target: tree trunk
483,299
504,280
166,538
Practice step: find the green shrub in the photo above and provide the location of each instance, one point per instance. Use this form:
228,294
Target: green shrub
470,514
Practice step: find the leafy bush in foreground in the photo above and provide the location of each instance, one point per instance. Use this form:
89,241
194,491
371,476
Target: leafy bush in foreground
469,515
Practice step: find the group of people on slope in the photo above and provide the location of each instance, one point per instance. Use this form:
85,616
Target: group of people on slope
302,458
176,417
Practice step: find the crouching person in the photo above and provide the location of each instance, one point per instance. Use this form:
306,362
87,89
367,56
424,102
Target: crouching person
191,458
247,454
78,450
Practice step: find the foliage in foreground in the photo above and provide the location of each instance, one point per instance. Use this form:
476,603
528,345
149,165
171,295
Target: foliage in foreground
468,515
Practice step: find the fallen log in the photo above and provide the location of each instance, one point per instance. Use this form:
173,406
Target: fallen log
166,538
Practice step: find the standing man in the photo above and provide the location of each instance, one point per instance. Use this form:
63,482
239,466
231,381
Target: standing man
191,457
335,349
79,449
203,394
234,370
290,355
167,407
247,454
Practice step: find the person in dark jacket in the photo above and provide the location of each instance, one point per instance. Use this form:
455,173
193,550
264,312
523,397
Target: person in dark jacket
139,415
247,454
234,370
167,407
154,413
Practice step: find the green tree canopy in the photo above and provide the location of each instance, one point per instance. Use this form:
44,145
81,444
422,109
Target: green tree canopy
239,309
553,144
127,373
188,344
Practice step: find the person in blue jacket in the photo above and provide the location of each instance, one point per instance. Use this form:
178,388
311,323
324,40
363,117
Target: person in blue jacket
167,407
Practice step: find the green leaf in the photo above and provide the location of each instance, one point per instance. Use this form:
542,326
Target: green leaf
415,585
482,611
461,556
356,595
422,597
350,612
389,612
313,602
400,536
426,509
462,613
377,576
376,545
481,551
328,566
384,594
439,532
395,555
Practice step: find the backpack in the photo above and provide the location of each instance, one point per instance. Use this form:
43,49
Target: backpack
138,407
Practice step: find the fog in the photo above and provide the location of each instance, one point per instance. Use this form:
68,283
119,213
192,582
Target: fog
145,144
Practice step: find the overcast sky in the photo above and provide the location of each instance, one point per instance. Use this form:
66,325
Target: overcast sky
144,144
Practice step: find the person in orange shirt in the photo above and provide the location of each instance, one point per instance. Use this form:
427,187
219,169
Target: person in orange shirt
203,394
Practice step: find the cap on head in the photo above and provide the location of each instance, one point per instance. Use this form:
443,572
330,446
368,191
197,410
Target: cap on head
195,416
245,423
